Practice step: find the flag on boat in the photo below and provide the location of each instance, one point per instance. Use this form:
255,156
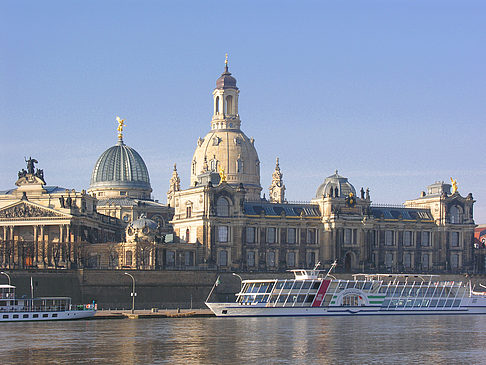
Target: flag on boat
217,281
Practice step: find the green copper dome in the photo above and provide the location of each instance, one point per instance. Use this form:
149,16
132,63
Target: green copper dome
120,167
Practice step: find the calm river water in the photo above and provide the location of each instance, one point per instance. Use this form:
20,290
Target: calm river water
305,340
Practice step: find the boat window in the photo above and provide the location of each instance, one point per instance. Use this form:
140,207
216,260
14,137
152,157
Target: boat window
310,298
342,285
282,298
417,303
5,316
316,285
3,303
273,298
288,285
306,284
350,284
385,303
15,316
433,303
298,285
279,285
270,288
409,303
367,285
300,298
25,316
263,288
457,303
45,315
430,292
425,302
35,316
449,302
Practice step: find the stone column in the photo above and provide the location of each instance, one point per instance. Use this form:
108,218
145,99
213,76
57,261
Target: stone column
35,244
42,246
61,242
68,245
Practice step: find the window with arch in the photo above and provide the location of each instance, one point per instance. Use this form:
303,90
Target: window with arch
222,207
455,214
194,167
214,164
229,104
188,235
217,104
239,165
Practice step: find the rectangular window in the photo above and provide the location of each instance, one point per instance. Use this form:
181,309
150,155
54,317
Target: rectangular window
311,235
407,260
291,259
311,259
15,316
389,238
222,233
5,316
425,261
250,258
407,238
454,239
454,261
170,258
250,234
389,258
188,258
425,239
347,236
45,315
25,316
54,315
188,212
270,235
271,258
223,258
35,316
291,235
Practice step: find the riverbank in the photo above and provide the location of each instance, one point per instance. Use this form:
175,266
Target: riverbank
152,313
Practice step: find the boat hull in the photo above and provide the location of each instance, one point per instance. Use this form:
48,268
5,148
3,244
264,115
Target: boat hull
236,310
23,316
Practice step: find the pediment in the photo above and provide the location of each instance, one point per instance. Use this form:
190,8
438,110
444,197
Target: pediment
25,209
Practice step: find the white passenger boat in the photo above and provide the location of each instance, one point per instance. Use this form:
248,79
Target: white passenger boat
315,293
13,309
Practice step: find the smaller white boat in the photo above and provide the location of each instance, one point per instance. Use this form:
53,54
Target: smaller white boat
13,309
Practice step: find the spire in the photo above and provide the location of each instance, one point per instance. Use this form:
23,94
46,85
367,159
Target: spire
277,188
121,124
226,63
174,186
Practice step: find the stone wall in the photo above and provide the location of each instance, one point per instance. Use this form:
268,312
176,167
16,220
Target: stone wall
155,289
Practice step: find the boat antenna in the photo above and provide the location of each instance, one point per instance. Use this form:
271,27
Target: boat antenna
334,264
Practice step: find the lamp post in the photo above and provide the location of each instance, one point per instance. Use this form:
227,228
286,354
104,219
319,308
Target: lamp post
7,275
241,280
133,292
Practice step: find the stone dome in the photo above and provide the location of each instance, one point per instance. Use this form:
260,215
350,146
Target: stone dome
344,187
233,151
142,229
120,171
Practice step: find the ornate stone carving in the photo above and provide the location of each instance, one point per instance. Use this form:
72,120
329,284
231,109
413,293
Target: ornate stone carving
26,211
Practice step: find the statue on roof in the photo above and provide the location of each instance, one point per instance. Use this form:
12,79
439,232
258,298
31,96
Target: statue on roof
30,164
454,185
121,124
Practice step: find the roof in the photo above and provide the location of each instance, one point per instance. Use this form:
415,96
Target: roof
396,213
274,209
128,202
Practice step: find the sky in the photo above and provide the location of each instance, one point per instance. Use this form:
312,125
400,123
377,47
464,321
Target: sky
391,93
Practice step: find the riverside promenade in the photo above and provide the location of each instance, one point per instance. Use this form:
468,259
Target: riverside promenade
152,313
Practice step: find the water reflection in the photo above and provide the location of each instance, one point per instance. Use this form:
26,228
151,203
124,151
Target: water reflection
325,340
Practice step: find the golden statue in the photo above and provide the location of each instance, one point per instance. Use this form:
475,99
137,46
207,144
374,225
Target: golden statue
226,60
121,124
454,185
222,175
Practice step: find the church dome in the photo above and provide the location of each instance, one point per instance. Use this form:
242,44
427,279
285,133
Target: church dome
120,170
226,80
336,181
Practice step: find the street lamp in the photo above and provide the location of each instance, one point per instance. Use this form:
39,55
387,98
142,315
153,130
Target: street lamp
133,292
7,275
241,280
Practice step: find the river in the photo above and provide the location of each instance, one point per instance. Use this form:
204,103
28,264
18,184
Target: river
296,340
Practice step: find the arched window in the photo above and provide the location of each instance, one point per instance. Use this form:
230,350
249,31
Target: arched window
217,104
455,214
222,207
194,167
239,165
214,165
229,104
188,233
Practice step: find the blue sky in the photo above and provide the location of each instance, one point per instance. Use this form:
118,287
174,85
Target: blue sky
391,93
